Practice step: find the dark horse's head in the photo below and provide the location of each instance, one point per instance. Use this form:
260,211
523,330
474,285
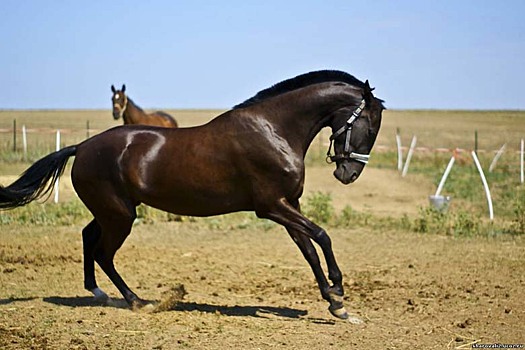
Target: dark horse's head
354,131
120,101
354,115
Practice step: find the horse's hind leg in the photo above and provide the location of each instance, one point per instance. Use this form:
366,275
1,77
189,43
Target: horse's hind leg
115,227
90,237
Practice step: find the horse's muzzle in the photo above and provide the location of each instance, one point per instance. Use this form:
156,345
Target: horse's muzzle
116,114
346,172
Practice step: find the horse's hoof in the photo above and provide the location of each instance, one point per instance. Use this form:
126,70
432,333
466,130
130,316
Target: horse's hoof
99,295
339,312
344,315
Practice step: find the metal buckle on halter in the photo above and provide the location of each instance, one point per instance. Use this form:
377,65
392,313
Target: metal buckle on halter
359,157
363,158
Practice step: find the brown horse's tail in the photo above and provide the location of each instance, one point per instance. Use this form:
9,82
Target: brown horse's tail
37,180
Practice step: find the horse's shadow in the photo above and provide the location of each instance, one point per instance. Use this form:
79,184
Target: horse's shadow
237,310
13,300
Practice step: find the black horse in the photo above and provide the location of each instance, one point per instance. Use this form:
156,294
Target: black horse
250,158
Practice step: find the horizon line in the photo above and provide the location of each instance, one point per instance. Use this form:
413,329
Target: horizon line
225,109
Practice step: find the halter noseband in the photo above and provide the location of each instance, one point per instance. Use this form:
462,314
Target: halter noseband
363,158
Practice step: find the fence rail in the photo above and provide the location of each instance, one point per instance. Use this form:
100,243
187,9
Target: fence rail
322,140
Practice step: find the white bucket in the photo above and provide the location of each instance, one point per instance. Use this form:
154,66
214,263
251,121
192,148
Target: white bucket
440,203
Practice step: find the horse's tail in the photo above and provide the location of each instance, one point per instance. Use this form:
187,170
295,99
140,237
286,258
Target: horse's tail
37,180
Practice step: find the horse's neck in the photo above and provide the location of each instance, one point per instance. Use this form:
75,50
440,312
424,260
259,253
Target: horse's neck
316,106
304,122
132,113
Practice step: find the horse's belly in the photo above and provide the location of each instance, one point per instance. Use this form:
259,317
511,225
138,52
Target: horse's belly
199,205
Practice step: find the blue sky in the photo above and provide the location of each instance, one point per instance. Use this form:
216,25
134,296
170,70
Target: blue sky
214,54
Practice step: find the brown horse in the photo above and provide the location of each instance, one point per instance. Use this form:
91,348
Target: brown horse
125,108
250,158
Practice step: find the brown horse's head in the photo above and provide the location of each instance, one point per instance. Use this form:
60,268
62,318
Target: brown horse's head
354,131
120,101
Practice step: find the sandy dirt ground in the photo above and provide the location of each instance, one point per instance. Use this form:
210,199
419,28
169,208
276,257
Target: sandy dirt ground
248,286
377,191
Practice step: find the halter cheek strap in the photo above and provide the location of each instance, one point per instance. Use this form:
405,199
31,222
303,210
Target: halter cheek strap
363,158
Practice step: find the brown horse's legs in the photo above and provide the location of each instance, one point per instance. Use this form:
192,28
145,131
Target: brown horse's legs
288,216
90,236
116,227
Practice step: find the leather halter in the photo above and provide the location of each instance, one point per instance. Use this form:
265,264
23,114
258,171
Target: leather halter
359,157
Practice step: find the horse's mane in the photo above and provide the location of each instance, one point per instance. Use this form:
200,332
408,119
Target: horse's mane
300,81
134,104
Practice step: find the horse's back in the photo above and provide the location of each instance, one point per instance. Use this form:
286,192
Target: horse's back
162,167
164,119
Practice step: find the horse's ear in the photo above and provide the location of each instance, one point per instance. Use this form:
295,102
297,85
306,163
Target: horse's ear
367,93
113,89
367,87
123,87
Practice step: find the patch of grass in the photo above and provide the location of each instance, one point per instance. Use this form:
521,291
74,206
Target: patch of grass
47,214
429,220
236,221
465,187
461,223
35,153
517,225
318,207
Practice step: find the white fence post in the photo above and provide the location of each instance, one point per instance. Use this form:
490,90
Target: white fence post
409,155
24,140
485,185
445,175
496,157
521,159
399,151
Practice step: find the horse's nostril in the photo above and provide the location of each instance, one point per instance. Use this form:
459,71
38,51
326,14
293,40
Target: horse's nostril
347,169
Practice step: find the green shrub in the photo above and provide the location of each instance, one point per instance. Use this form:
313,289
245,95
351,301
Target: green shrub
518,223
466,224
431,220
318,207
350,217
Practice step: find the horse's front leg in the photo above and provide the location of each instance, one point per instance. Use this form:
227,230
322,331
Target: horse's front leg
302,230
310,254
